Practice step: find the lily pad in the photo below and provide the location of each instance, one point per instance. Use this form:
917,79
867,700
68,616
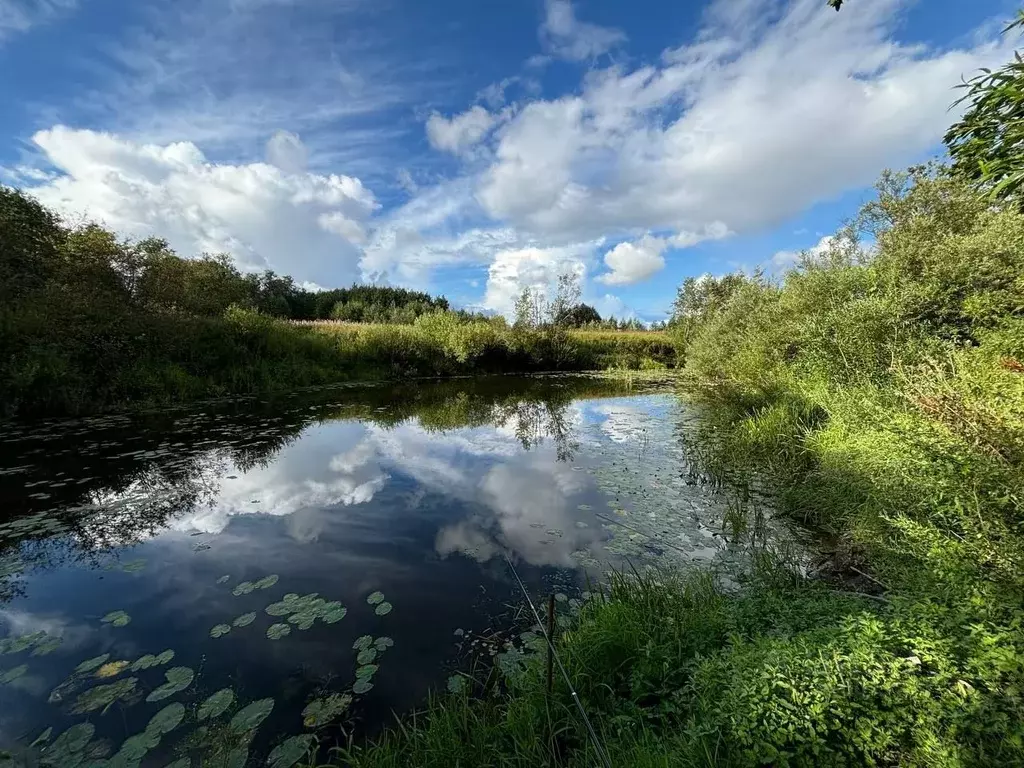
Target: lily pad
366,656
116,619
47,646
112,669
277,631
178,679
43,737
216,705
235,758
332,613
362,643
289,752
144,662
13,674
383,609
167,719
367,670
249,717
20,643
282,608
375,598
90,664
362,685
134,748
68,744
244,588
134,566
266,582
181,762
102,696
224,579
302,619
244,620
165,657
220,630
561,597
383,643
321,711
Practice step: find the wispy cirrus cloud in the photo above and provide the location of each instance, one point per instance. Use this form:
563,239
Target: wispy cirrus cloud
19,16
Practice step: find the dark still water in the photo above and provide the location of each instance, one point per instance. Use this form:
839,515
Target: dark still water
204,584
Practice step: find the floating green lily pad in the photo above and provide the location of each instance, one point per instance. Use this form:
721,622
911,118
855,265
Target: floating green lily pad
366,656
65,748
167,719
178,679
13,674
235,758
102,696
383,609
220,630
282,608
383,643
266,582
250,716
332,613
47,646
562,597
21,643
277,631
375,598
290,751
303,619
134,748
244,588
224,579
362,685
216,705
164,657
116,619
181,762
367,670
319,712
144,662
362,643
244,620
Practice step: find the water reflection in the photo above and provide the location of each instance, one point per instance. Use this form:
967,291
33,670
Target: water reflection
417,492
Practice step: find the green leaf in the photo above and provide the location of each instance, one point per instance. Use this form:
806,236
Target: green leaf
244,620
102,696
47,646
319,712
383,609
224,579
277,631
362,643
167,719
144,662
72,741
117,619
266,582
332,613
249,717
290,751
383,643
367,670
366,656
244,588
135,747
220,630
178,679
375,598
165,657
456,684
362,685
216,705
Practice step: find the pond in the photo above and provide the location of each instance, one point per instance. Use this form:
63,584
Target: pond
211,583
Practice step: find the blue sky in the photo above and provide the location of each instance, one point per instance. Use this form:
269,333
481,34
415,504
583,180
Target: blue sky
473,148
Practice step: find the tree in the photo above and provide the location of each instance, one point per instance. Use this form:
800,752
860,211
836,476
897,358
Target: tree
987,143
579,316
567,296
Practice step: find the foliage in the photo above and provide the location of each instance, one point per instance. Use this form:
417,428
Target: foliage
986,143
88,321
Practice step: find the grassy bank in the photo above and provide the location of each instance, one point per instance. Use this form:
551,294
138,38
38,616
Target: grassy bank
881,390
89,322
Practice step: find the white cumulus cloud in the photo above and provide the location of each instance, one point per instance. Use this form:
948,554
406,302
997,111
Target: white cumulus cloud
633,262
459,133
304,224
